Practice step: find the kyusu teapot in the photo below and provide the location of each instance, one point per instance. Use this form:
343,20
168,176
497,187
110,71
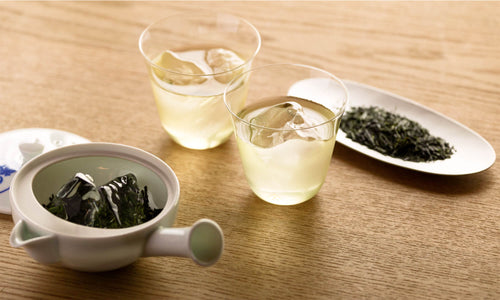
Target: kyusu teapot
50,239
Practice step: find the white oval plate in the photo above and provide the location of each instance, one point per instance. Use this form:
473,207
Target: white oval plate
473,153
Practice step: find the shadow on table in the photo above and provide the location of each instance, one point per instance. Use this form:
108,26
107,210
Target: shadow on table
275,243
464,184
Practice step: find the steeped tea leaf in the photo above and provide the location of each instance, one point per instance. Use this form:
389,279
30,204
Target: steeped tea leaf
117,204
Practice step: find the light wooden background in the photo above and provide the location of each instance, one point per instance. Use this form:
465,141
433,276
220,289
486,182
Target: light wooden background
373,231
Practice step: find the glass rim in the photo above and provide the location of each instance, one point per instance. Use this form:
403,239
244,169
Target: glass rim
200,14
337,116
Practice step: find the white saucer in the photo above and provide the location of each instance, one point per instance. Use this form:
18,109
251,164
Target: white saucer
11,158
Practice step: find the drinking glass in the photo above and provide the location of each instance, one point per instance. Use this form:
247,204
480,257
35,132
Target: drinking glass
190,59
286,128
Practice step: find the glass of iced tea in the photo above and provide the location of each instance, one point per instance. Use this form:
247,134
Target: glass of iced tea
191,58
286,128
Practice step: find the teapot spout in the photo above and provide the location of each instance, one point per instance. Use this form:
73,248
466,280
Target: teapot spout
203,242
42,247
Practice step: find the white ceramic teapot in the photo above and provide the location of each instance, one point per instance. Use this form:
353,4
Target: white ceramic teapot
50,239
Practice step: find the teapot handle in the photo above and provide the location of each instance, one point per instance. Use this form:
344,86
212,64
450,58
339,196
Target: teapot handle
203,242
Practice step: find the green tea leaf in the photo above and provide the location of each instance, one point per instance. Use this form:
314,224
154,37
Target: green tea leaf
393,135
117,204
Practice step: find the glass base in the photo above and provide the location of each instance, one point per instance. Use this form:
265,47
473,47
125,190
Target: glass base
285,198
197,143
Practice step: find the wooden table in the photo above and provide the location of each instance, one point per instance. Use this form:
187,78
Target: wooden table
373,231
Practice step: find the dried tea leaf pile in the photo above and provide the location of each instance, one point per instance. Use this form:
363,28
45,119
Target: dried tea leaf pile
393,135
119,203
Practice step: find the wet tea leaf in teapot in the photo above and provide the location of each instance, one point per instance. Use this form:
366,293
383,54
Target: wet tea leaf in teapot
117,204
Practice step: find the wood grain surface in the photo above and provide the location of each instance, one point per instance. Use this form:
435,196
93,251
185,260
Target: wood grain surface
373,231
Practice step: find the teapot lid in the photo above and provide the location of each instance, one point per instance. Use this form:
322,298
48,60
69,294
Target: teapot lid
19,146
